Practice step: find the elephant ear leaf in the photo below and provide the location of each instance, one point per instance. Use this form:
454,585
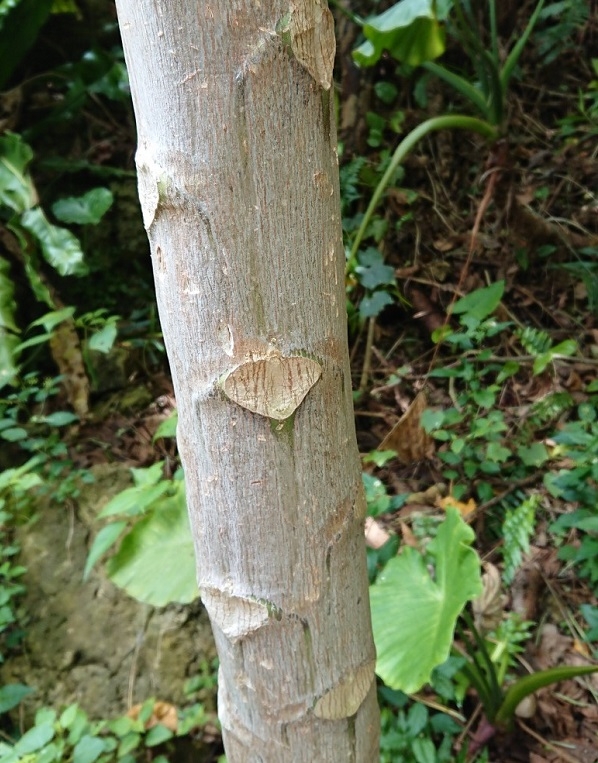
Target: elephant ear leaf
411,31
414,613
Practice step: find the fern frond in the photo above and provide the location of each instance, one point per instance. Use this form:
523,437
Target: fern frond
517,530
534,341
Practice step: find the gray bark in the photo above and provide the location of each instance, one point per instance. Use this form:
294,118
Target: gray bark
238,179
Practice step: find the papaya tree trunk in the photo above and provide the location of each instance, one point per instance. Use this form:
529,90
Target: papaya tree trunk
238,182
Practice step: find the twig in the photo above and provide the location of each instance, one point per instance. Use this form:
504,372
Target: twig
367,356
553,748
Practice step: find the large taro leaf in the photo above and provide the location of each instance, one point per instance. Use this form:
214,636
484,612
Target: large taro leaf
414,613
156,561
411,31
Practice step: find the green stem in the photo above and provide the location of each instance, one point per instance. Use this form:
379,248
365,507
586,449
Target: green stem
461,85
446,122
513,56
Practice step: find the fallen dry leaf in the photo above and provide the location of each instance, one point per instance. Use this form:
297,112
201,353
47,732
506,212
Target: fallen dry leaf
163,713
463,508
408,438
489,606
375,535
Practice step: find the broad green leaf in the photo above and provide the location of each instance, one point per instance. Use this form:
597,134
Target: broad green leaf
35,738
156,560
84,210
103,340
413,614
372,272
150,475
51,753
535,454
411,31
373,304
59,247
134,500
88,749
11,695
157,735
104,540
481,302
16,187
68,715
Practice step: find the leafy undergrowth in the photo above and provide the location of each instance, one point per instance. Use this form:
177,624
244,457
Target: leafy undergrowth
475,357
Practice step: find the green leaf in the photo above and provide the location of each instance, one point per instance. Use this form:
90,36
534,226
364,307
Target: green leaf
377,499
372,272
52,753
9,330
485,398
134,500
156,560
432,419
566,348
481,302
379,457
411,31
104,540
415,614
535,454
11,695
68,715
157,735
88,749
84,210
14,434
168,427
35,738
16,187
60,418
128,743
103,340
53,318
497,452
372,305
59,247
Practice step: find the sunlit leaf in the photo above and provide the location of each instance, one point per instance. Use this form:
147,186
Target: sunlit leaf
480,303
16,187
414,614
156,560
411,31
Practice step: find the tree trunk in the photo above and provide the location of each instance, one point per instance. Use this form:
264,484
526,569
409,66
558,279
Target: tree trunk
238,181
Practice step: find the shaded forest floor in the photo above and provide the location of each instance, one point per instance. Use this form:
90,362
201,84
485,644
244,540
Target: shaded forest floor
495,397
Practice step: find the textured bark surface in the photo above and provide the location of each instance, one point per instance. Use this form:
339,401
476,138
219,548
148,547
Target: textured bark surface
238,181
